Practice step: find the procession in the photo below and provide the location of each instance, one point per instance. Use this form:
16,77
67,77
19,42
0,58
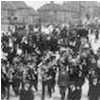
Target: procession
54,62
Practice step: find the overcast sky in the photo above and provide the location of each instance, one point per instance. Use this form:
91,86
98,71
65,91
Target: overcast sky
37,3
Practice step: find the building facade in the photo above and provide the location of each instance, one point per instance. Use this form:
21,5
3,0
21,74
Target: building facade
49,13
68,12
17,12
7,11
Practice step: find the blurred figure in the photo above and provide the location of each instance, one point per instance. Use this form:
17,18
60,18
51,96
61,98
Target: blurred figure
26,92
63,80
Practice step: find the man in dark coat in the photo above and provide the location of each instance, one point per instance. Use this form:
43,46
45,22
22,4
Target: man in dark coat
52,72
16,80
93,86
94,78
45,80
63,79
26,93
76,80
32,76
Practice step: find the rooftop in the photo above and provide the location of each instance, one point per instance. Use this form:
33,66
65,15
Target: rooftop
31,11
13,5
19,4
7,5
52,6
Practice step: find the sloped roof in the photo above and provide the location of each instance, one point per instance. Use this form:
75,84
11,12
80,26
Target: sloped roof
13,5
90,3
19,4
31,11
7,5
76,5
87,3
27,12
71,6
50,7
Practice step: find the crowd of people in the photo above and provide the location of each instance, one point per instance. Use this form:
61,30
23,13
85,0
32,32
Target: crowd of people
67,56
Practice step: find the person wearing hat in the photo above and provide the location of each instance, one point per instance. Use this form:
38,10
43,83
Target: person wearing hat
16,80
4,83
76,80
98,77
50,80
63,79
26,93
93,88
32,76
46,77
